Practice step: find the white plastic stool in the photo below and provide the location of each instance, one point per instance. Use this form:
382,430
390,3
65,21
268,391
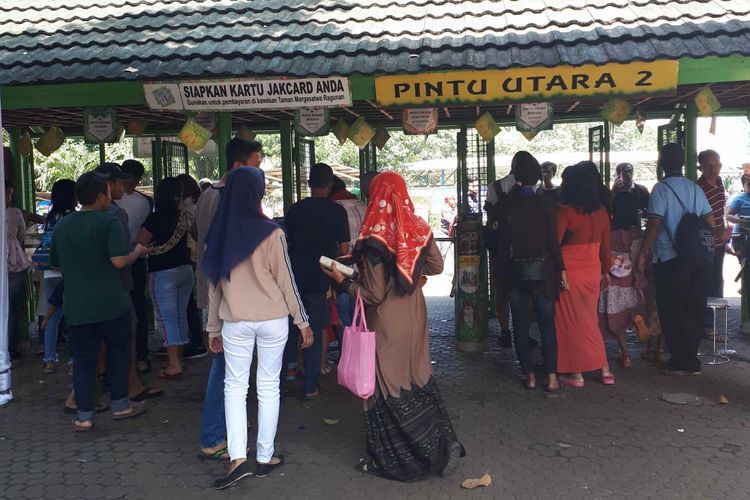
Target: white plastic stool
716,304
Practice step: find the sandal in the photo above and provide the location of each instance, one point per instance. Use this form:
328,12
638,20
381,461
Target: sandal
326,370
528,385
572,382
221,455
136,409
147,393
79,427
367,467
312,396
607,379
264,470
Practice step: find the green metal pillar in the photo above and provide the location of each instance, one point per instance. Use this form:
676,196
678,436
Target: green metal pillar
158,173
691,141
607,167
18,171
223,136
102,153
287,164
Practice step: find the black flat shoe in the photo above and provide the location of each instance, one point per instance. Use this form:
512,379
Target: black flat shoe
241,472
455,452
264,470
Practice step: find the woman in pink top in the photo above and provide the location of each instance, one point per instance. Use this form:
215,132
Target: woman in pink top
18,266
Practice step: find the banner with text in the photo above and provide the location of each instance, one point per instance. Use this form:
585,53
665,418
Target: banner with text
517,84
248,94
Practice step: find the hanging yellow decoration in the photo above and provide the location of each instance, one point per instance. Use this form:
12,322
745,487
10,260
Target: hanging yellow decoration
341,130
245,133
24,144
616,111
50,141
194,136
361,133
707,102
487,127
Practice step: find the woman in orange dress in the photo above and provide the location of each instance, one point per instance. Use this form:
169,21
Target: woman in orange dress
584,230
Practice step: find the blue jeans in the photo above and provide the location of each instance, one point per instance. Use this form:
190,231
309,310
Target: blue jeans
316,306
86,341
213,424
521,300
53,325
170,291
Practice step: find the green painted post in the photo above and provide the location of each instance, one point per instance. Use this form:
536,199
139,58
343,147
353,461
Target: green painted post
102,153
607,167
691,141
30,185
158,171
223,136
17,168
287,164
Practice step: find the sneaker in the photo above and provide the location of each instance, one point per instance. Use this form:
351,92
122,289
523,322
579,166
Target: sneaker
50,367
194,353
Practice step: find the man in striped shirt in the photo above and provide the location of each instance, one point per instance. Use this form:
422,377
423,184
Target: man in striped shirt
709,164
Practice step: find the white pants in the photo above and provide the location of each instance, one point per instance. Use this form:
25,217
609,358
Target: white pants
239,340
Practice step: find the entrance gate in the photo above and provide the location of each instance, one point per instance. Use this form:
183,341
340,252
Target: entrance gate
672,132
304,159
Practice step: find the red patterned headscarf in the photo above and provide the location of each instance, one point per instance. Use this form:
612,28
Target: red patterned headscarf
391,228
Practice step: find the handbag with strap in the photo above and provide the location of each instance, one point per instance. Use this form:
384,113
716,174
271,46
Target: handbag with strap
356,370
529,269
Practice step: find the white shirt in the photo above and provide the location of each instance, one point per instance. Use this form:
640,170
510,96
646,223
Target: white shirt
138,208
506,184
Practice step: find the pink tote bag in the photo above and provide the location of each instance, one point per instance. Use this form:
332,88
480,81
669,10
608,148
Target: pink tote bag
357,364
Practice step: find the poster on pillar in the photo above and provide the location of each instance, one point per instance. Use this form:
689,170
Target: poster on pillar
100,125
534,116
311,122
420,121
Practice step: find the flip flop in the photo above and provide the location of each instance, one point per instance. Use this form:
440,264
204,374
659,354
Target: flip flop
147,393
607,380
138,409
79,428
221,455
572,382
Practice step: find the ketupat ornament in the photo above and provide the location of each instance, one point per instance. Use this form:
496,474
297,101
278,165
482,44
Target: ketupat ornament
24,144
361,133
136,126
529,134
194,136
616,111
381,137
487,127
50,141
245,133
341,130
706,102
640,120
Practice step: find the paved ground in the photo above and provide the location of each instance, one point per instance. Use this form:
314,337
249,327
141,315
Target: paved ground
596,442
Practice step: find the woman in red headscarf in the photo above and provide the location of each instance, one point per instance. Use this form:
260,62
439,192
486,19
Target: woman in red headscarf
409,433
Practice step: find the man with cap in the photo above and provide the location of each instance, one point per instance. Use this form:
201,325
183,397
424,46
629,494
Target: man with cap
118,181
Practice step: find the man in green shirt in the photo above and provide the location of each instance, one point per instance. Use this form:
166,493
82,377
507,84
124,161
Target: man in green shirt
90,248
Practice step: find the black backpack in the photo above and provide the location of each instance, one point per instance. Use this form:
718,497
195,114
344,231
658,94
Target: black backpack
693,241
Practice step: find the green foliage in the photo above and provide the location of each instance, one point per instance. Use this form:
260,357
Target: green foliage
74,158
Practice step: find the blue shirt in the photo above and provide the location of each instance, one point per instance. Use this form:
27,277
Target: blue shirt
740,205
664,204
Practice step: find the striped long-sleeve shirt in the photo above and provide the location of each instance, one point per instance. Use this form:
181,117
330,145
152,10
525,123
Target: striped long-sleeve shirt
717,198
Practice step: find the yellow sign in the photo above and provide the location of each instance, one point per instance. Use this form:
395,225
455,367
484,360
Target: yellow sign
527,84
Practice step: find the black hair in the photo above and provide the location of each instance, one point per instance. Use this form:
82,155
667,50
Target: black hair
338,185
744,179
133,167
579,188
605,195
168,195
549,164
527,169
622,166
63,198
321,175
239,150
625,211
89,186
672,158
705,155
190,187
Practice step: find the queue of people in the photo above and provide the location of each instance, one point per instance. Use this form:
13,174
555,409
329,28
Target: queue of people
577,256
573,257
